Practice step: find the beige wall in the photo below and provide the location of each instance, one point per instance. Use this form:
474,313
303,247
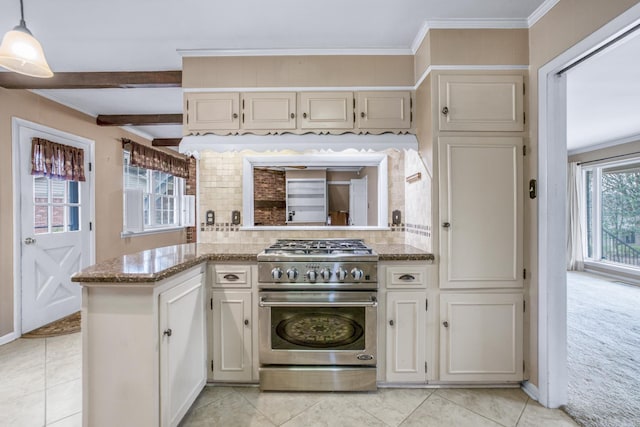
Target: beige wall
472,47
108,185
567,23
297,71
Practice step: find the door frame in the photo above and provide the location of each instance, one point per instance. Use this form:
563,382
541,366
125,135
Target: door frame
17,125
552,178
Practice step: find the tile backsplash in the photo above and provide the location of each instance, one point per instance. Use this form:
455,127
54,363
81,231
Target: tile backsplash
220,190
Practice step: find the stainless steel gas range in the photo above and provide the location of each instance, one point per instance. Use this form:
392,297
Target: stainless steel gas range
317,315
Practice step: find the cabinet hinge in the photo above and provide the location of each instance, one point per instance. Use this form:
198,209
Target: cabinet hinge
410,102
523,366
524,118
523,89
211,303
524,273
243,104
187,113
411,117
426,304
524,305
242,117
211,365
425,367
90,166
90,226
524,150
354,105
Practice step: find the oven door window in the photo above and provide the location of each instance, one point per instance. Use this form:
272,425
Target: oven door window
309,328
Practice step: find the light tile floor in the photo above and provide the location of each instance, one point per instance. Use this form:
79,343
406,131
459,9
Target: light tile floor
40,385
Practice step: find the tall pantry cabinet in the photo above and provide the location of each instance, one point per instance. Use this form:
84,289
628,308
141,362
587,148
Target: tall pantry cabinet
478,121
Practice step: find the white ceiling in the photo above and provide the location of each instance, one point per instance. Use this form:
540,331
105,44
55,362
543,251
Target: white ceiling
603,97
145,35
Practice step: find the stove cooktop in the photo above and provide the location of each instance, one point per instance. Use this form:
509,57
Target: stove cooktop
293,247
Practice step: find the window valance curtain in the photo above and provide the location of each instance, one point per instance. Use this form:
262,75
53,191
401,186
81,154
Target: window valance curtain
149,158
56,160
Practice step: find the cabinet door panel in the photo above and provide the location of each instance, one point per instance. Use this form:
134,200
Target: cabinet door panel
481,337
481,202
231,336
384,110
269,110
326,110
406,325
212,111
183,348
481,103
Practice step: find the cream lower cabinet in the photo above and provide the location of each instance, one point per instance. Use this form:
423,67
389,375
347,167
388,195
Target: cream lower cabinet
406,329
232,343
183,348
481,337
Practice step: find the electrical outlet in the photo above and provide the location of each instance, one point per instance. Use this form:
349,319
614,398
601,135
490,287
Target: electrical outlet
235,217
396,217
210,218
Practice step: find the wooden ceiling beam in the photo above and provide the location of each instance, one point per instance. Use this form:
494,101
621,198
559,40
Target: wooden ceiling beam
95,80
138,119
166,142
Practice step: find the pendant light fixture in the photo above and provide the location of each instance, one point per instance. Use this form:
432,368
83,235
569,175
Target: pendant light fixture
22,53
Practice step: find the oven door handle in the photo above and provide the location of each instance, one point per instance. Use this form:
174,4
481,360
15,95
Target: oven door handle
264,303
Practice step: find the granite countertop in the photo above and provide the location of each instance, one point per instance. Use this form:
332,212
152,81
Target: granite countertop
157,264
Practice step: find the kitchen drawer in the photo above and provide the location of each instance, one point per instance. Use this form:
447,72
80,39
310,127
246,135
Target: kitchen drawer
406,276
231,276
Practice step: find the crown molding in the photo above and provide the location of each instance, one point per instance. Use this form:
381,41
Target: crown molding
540,12
185,53
451,24
419,38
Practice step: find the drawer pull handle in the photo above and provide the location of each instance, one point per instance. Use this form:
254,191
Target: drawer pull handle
231,277
407,277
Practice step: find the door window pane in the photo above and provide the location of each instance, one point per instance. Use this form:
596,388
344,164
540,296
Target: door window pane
57,222
74,218
40,219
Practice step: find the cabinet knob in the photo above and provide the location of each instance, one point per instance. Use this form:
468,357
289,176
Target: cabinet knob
293,116
235,115
246,322
391,322
168,332
304,115
446,224
445,324
362,114
445,110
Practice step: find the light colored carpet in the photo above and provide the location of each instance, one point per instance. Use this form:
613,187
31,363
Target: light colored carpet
603,334
67,325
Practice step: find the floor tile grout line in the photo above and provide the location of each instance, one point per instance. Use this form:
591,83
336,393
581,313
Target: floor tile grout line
474,412
297,415
523,409
417,406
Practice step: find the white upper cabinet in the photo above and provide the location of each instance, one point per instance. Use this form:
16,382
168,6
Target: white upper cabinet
326,110
481,103
269,110
384,110
212,111
481,212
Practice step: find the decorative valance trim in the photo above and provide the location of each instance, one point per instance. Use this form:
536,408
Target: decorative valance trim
57,161
192,145
149,158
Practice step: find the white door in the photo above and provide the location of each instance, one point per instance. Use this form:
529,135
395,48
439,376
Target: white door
55,238
406,326
481,216
232,336
183,348
481,337
358,202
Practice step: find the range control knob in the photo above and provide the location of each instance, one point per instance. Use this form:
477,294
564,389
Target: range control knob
276,273
357,274
342,274
312,275
325,274
292,274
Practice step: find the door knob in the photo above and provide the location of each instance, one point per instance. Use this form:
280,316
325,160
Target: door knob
168,332
445,324
390,322
446,224
29,241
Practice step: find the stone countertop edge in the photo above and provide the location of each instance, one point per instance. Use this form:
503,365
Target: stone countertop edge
111,271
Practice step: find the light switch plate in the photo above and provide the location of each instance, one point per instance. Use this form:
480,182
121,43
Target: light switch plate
396,217
235,217
210,218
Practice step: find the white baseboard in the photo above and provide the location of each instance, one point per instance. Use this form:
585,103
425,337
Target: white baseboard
8,338
531,390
